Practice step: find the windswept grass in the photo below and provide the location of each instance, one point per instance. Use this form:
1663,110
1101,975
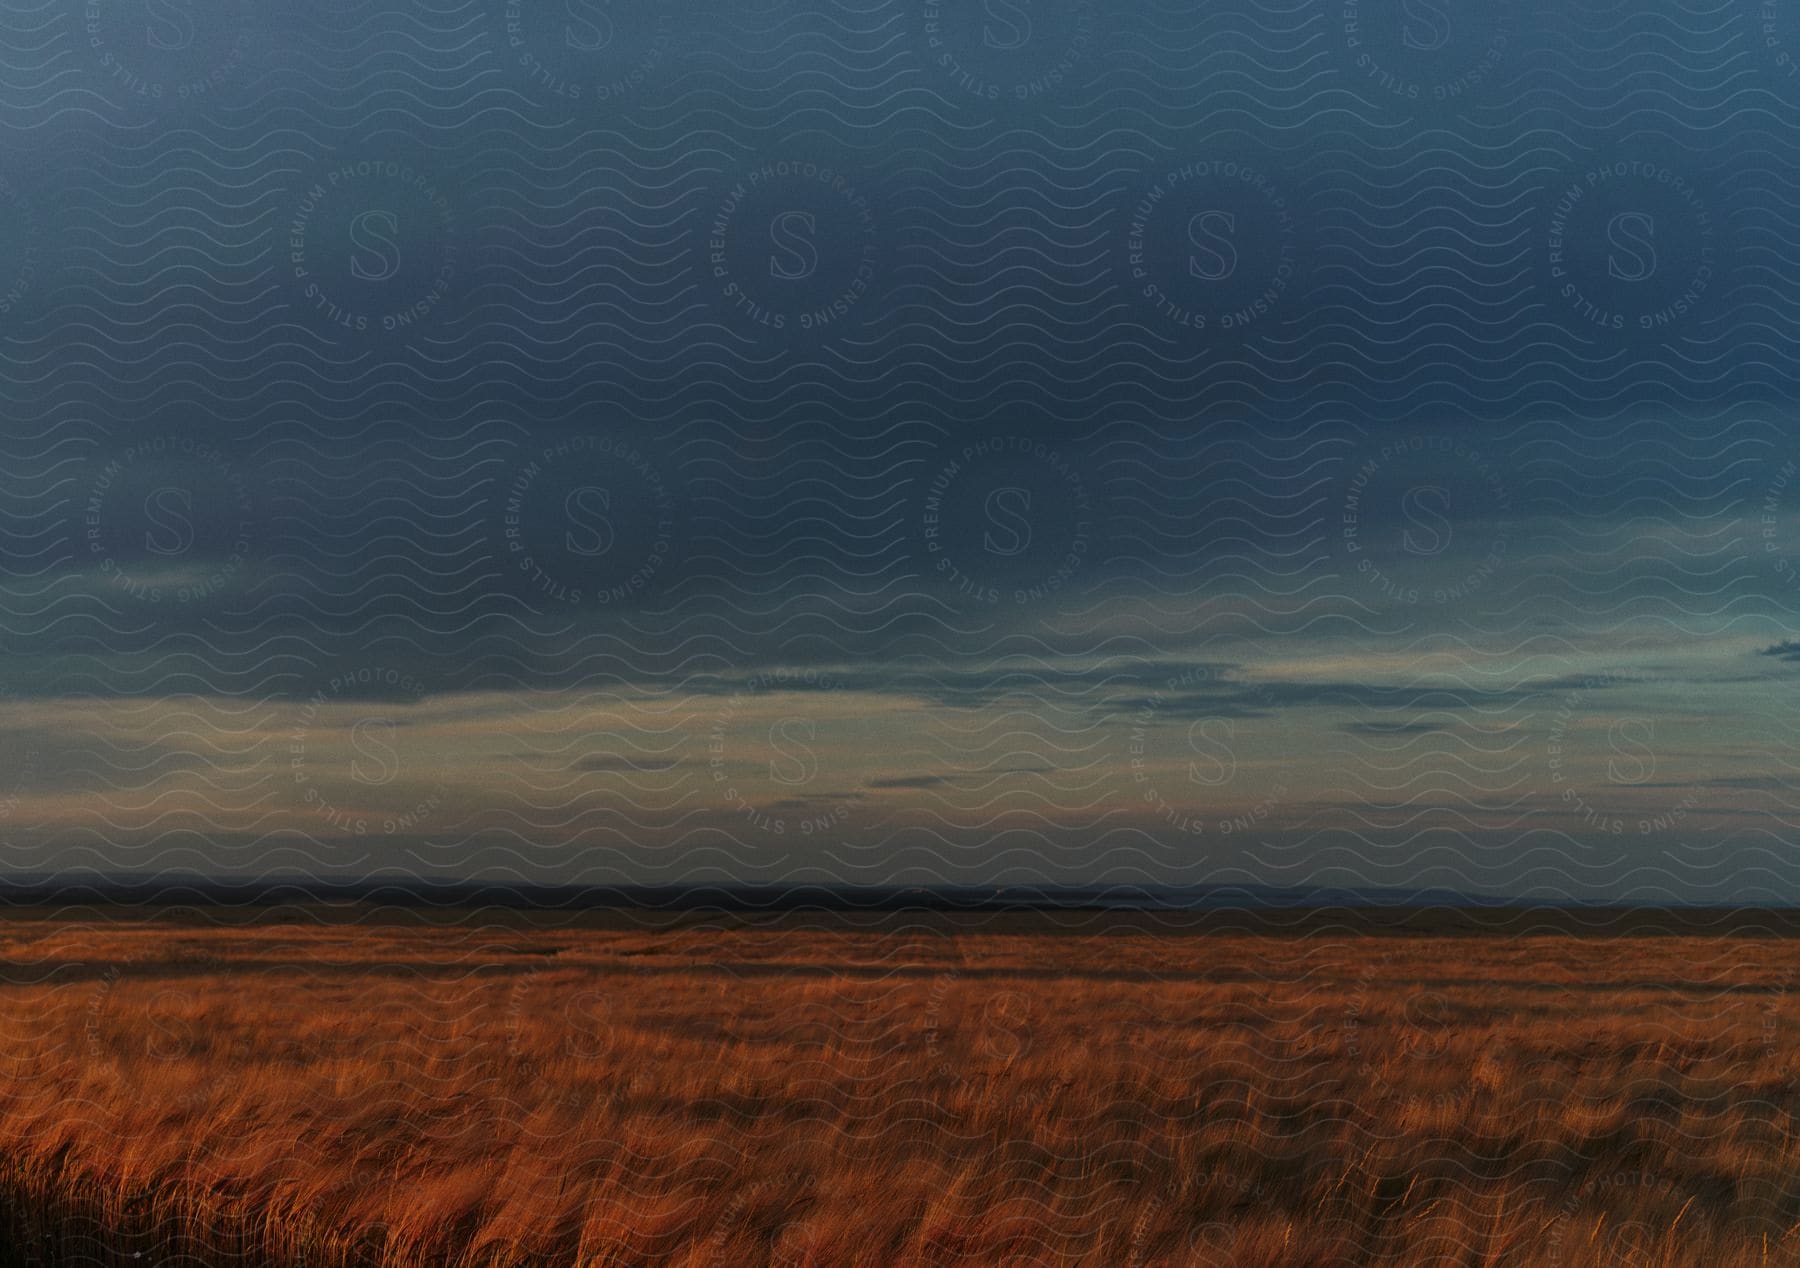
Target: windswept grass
902,1091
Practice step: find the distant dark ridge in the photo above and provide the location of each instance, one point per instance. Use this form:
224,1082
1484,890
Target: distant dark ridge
37,890
1029,910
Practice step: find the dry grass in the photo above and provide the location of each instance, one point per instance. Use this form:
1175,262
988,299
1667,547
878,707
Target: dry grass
370,1090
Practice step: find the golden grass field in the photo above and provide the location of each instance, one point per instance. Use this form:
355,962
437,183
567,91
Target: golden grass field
348,1086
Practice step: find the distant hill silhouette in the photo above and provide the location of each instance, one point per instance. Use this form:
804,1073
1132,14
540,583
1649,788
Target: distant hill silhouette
127,888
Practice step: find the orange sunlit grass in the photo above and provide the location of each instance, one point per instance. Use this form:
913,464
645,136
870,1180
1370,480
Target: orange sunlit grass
353,1088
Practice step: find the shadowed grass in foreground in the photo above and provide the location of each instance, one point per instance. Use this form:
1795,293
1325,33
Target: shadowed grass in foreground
929,1089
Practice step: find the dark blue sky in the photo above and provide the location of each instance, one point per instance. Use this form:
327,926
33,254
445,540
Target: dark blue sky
1337,443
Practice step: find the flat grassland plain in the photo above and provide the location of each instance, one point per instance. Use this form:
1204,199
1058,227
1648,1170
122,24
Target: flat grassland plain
357,1085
